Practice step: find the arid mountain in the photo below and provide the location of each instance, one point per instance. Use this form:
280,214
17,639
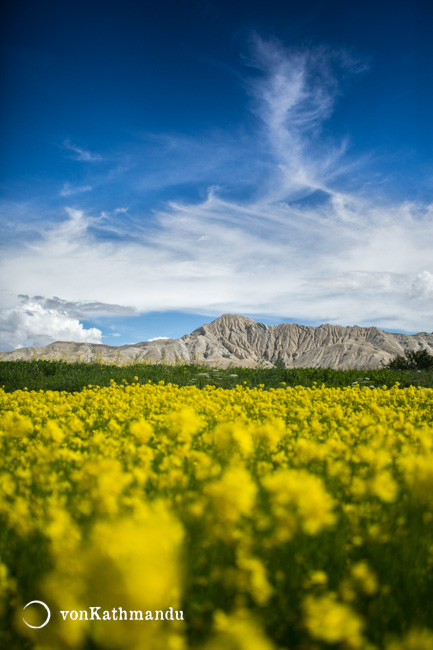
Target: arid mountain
239,341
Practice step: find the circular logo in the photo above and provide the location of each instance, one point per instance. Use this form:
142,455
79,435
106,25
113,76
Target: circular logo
39,602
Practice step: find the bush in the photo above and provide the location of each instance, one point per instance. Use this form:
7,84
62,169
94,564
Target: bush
412,360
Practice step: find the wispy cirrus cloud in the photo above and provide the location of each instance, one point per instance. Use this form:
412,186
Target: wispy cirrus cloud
71,190
294,96
78,309
344,263
306,242
80,154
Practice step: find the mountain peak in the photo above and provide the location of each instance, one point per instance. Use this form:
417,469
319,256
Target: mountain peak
234,340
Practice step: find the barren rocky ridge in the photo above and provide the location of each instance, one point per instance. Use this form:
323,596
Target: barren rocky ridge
239,341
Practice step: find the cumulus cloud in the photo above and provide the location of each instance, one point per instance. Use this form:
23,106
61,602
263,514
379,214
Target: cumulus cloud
31,324
422,286
306,244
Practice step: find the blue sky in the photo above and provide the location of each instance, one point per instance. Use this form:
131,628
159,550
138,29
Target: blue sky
164,163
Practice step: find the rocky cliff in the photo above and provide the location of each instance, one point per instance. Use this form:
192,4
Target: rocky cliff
240,341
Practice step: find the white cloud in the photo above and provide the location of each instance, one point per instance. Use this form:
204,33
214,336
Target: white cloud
158,338
81,308
422,286
83,155
31,324
70,190
301,246
293,98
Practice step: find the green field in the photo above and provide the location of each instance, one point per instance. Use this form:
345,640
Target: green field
59,375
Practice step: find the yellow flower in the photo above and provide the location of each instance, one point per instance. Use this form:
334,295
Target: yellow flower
415,639
365,577
384,487
233,495
238,631
331,621
305,494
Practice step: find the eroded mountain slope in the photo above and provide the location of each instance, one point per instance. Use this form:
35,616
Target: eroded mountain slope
240,341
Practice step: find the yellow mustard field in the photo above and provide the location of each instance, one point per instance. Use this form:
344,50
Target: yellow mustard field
165,518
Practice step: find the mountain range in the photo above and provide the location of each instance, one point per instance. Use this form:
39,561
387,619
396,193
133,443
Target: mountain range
232,340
